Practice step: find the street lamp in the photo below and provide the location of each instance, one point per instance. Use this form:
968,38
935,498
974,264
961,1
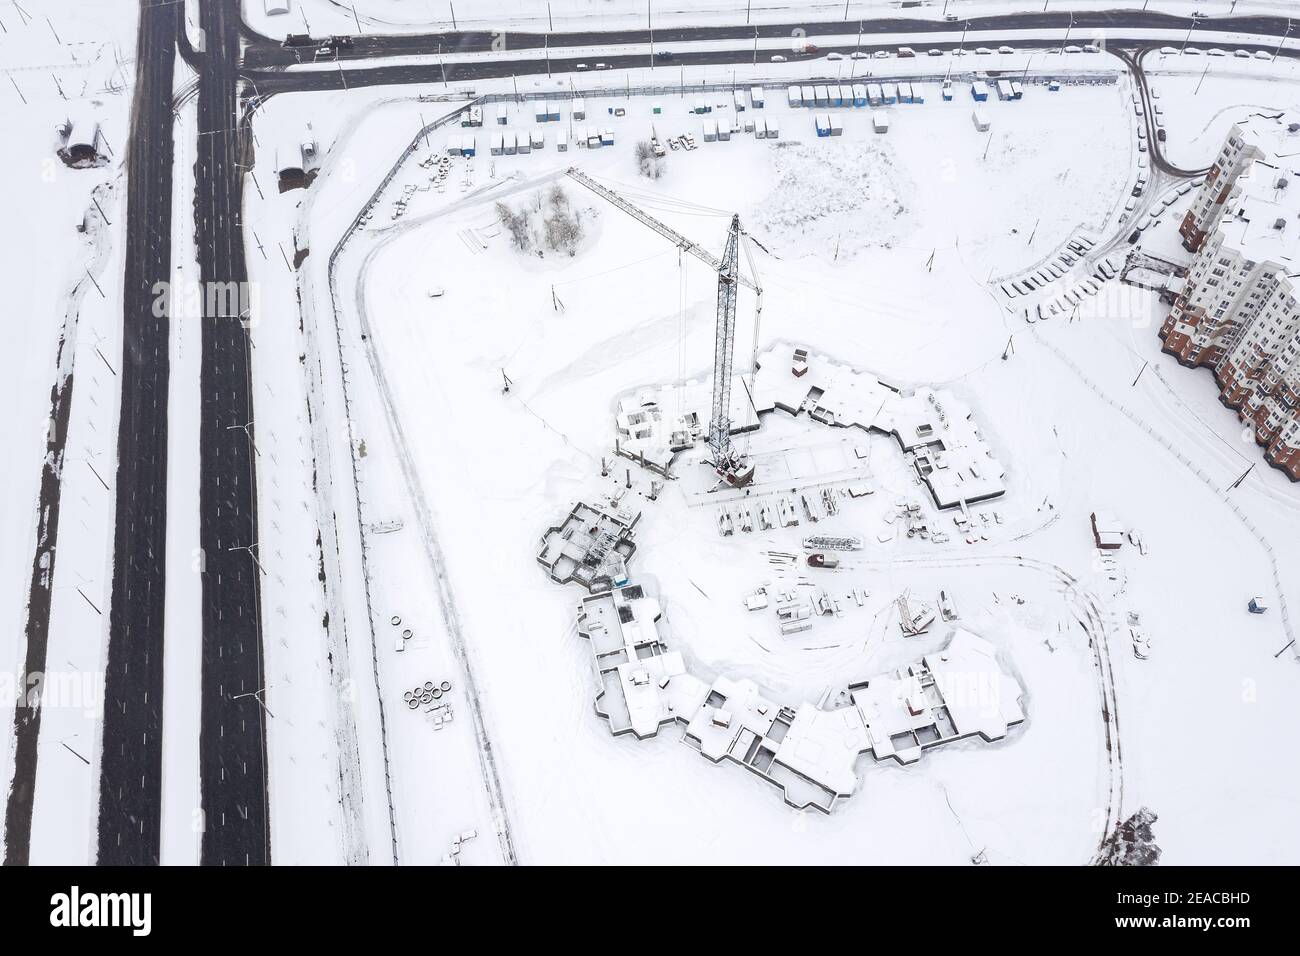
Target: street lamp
1067,33
1282,41
1188,37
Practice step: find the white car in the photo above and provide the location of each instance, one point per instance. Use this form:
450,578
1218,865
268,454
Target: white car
881,54
834,56
602,66
1244,54
1263,55
983,50
1215,51
778,58
1006,49
860,55
580,66
1074,49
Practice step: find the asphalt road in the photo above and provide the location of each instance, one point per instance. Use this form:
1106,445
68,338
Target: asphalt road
262,53
232,735
444,75
130,798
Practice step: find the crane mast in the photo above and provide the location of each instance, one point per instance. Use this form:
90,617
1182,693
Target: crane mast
731,466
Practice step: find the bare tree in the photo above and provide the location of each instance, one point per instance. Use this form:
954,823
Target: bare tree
647,163
518,224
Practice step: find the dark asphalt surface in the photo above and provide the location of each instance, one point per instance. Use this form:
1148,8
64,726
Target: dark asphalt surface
130,798
232,736
263,53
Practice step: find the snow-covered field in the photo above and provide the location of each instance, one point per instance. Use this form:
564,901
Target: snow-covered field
64,319
881,248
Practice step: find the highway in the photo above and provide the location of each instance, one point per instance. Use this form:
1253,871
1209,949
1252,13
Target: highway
232,735
263,53
130,797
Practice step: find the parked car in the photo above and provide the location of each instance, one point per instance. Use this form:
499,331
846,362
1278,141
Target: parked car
860,55
778,58
834,56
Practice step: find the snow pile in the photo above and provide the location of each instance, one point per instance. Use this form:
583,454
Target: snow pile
844,195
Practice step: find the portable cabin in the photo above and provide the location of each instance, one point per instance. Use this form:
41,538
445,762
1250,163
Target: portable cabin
889,94
760,129
757,97
1017,91
821,96
738,100
540,113
904,92
606,137
880,121
508,143
562,141
1004,90
823,124
981,120
795,96
724,131
979,93
468,147
710,131
918,93
809,96
946,91
579,108
498,144
837,125
453,145
834,96
875,96
502,116
773,128
523,143
859,94
1054,86
536,139
1257,605
593,138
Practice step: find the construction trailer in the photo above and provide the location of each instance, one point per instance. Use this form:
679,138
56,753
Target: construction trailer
606,137
981,120
823,123
502,116
889,94
453,145
859,94
579,108
918,93
468,146
1004,90
498,144
875,95
880,121
821,96
757,98
809,95
773,128
946,91
904,92
837,125
724,131
523,143
794,96
536,138
979,93
710,131
738,100
562,140
1017,91
760,129
835,96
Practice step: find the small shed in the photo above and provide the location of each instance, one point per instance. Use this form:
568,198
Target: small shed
1107,531
275,8
1257,605
83,142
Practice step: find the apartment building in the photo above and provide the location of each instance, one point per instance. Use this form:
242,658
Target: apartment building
1238,314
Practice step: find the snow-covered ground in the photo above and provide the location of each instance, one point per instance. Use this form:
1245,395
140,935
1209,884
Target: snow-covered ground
880,251
64,291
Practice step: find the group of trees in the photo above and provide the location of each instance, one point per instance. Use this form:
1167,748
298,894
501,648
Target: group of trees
548,221
647,163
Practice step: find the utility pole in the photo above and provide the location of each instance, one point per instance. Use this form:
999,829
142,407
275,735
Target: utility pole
1139,374
453,15
1202,79
1282,41
1189,36
1244,475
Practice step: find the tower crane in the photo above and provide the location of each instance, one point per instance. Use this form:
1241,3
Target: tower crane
731,465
